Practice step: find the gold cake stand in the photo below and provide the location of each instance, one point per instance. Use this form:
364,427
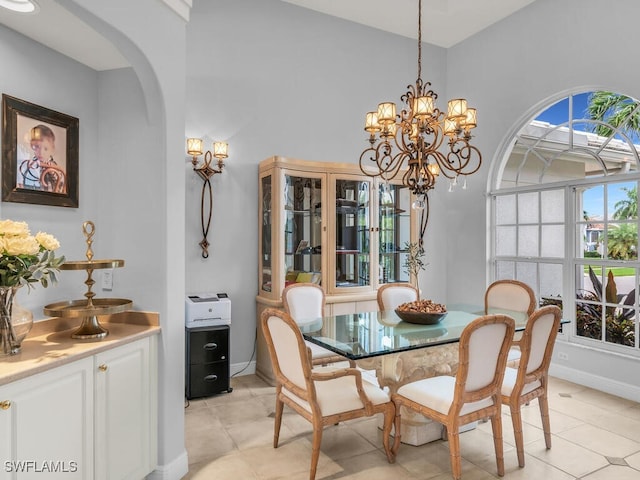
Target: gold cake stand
90,308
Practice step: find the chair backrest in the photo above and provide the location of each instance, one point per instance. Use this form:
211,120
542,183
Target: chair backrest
537,342
289,357
303,301
483,350
391,295
510,295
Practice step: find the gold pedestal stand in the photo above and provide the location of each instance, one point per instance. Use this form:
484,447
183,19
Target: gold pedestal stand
91,308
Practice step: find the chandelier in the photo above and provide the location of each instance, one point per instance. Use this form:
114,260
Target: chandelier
415,136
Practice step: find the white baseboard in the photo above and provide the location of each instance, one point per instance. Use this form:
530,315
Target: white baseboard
175,470
603,384
241,369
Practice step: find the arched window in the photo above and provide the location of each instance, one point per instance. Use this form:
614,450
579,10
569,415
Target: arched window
564,214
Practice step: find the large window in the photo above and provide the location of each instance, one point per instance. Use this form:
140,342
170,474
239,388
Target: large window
565,215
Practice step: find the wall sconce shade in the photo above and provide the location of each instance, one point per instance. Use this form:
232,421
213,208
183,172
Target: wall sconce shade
206,171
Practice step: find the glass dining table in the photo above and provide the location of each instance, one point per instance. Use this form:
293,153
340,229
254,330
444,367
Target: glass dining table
364,335
400,352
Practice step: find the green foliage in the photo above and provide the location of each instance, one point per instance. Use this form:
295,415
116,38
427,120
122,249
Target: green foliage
614,110
622,241
20,270
414,263
592,255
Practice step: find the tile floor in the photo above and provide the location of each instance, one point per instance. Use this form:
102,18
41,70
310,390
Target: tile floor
596,436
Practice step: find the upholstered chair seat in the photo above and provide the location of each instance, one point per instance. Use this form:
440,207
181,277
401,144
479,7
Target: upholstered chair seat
529,381
473,394
324,396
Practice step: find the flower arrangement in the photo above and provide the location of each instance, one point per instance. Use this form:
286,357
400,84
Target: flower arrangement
26,259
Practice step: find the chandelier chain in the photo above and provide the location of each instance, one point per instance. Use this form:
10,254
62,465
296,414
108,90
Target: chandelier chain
419,39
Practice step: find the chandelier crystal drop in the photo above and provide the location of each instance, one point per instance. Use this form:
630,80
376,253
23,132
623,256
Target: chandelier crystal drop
409,142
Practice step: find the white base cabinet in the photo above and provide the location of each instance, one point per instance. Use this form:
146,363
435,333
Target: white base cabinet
94,418
125,411
46,427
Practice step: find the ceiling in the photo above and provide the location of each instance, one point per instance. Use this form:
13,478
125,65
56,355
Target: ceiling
445,23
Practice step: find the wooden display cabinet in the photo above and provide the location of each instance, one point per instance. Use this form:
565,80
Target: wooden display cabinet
328,223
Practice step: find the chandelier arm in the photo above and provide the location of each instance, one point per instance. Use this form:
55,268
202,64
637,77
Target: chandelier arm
461,157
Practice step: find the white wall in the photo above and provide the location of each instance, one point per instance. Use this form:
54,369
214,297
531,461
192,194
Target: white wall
131,175
275,79
511,71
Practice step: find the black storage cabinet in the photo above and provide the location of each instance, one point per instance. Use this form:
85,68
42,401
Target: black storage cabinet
207,362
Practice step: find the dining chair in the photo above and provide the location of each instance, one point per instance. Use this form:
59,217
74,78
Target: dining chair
304,302
322,395
390,295
473,394
510,295
530,379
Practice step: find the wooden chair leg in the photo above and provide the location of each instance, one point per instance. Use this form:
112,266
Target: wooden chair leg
389,417
453,436
315,448
516,419
397,432
546,424
277,421
496,426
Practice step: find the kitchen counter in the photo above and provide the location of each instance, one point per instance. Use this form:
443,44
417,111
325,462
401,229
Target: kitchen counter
49,344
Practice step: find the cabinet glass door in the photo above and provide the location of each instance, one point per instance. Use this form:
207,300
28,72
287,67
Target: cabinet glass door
265,235
394,227
302,229
352,233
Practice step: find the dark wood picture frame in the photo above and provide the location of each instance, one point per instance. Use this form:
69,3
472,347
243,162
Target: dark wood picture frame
29,131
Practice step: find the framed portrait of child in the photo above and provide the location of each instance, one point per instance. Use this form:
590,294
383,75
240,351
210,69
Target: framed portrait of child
39,154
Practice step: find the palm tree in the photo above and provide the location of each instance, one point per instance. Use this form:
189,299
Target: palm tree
627,208
617,111
622,241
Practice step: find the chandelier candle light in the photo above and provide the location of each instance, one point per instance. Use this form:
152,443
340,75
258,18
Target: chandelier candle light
414,137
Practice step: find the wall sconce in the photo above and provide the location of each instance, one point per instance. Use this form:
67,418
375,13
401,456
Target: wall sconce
206,171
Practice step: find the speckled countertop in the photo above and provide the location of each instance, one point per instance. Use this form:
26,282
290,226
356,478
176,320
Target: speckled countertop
49,344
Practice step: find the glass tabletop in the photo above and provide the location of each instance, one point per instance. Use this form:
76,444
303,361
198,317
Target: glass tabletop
369,334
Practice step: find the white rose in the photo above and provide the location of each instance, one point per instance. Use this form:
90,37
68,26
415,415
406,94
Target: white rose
21,245
49,242
9,227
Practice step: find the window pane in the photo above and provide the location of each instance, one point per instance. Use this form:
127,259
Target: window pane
622,241
528,207
592,203
550,280
622,201
505,270
505,241
552,241
528,241
527,273
506,209
552,203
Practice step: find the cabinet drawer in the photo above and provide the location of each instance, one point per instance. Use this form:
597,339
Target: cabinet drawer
208,346
208,379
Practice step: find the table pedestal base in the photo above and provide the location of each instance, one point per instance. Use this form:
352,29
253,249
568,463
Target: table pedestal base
395,370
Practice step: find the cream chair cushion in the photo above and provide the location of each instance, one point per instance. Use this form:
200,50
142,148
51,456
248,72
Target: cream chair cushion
437,393
340,394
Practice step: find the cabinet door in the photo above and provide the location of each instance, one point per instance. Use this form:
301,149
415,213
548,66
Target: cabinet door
46,428
125,411
350,264
265,227
303,195
394,232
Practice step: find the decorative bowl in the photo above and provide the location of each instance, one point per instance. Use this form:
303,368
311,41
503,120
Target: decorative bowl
421,317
